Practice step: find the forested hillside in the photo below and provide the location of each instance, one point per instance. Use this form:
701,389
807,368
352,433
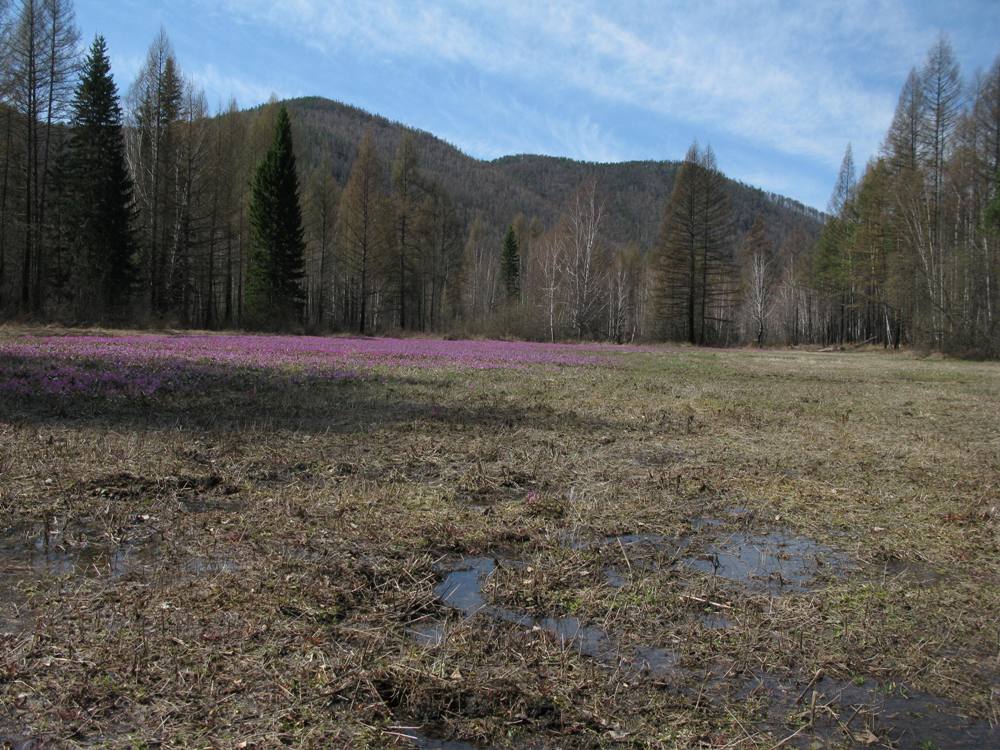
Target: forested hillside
314,215
328,134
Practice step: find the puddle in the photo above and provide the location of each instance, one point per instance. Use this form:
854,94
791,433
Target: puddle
712,621
54,550
907,720
13,742
614,578
658,662
462,589
428,634
775,561
35,553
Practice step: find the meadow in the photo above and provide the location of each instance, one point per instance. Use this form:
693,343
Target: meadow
256,541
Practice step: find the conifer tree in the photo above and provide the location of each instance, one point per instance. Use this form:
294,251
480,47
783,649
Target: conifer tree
405,186
695,275
510,266
274,282
903,144
99,187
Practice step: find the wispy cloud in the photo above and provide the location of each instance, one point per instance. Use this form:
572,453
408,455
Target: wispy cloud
767,71
245,90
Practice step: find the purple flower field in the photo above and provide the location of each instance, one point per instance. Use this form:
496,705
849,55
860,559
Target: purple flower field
144,365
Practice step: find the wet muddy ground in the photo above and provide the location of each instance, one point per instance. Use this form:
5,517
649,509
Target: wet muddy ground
676,552
857,712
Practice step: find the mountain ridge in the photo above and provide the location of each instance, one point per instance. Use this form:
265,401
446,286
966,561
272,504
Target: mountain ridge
328,132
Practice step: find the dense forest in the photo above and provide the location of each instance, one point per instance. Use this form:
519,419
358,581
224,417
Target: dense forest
143,207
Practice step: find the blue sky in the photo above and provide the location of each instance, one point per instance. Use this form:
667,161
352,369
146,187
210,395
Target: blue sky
778,88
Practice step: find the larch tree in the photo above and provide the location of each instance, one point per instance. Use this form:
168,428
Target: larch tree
993,212
274,279
100,188
942,99
847,180
441,234
43,65
480,272
7,143
406,190
695,275
359,231
188,253
321,210
987,114
677,255
942,92
903,143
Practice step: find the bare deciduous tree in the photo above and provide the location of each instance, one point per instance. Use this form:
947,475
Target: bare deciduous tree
585,264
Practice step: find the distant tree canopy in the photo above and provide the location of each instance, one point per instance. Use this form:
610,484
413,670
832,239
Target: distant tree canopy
154,211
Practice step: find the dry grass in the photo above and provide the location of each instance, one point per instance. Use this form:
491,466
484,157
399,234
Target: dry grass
239,570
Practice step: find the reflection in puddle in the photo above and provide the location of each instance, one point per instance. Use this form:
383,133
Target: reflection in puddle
30,554
908,720
53,551
713,621
429,634
776,561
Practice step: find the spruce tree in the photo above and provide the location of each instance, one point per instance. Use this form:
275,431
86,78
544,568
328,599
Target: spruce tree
274,281
510,266
99,188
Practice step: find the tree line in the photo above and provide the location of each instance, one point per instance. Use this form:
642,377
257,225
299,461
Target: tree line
148,209
910,253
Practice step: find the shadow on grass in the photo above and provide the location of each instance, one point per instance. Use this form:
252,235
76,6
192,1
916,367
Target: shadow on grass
212,396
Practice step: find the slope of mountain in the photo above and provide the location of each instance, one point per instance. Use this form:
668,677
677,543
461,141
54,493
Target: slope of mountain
328,133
